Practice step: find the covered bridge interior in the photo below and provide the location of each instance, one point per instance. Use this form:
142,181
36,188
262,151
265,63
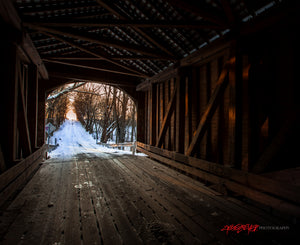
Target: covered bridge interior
214,82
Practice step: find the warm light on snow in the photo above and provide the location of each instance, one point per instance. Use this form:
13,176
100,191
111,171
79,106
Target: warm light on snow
73,139
71,115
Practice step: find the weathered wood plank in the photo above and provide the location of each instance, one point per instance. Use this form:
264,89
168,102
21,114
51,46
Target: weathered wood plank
133,200
72,223
90,230
123,225
163,209
106,221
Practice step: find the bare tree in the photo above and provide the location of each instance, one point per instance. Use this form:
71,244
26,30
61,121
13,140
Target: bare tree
104,109
56,108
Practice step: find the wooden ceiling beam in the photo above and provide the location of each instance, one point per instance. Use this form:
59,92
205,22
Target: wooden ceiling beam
131,23
93,53
93,68
102,42
80,74
114,57
46,8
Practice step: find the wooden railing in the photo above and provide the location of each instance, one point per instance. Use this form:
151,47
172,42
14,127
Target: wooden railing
12,179
121,146
280,196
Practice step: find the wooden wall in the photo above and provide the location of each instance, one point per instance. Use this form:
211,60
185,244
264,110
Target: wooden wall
22,108
229,116
19,107
234,104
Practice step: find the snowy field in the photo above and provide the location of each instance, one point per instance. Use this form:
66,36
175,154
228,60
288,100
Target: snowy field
73,139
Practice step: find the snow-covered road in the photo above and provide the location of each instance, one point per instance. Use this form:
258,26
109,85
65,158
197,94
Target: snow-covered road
73,139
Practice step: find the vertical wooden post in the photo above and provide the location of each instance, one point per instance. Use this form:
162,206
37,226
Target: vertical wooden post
203,100
41,114
157,111
168,92
214,123
235,107
140,105
195,93
148,111
245,119
171,132
161,106
208,145
11,110
32,107
146,116
188,108
180,114
152,119
221,121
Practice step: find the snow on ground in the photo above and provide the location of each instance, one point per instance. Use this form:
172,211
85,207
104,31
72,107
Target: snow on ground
74,139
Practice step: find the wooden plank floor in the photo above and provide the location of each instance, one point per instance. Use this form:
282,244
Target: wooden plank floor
124,199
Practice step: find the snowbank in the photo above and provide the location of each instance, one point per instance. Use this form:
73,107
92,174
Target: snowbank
73,139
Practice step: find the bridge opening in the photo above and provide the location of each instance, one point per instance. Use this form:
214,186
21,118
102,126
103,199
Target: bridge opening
99,115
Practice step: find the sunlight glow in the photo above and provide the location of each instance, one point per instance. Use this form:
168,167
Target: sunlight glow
71,115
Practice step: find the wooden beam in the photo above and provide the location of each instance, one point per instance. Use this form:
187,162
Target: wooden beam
32,111
92,53
22,120
235,107
97,40
41,113
63,5
219,47
180,112
93,68
63,73
187,111
34,56
255,187
139,31
12,88
9,14
152,114
131,23
167,74
141,122
113,57
210,109
167,116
